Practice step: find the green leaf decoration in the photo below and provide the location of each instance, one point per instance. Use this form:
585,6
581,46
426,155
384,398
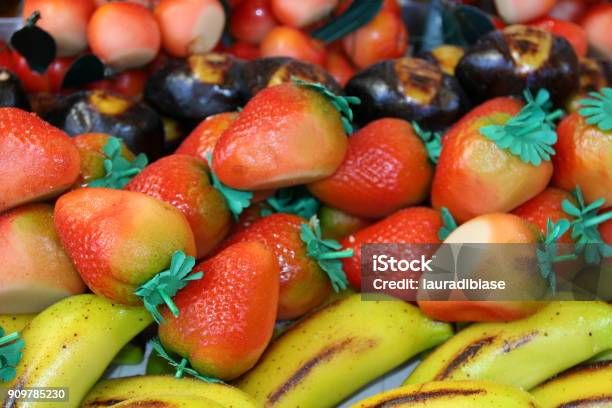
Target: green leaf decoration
237,200
357,15
341,103
165,285
432,141
598,109
327,253
449,224
584,227
293,200
118,170
547,252
182,367
10,355
530,134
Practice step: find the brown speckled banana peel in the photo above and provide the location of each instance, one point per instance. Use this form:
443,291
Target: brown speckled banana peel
70,344
167,402
455,394
588,385
107,392
335,351
522,353
15,323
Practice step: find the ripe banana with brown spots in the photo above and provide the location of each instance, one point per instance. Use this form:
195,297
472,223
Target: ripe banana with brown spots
107,392
70,344
15,323
525,352
588,385
455,394
335,351
166,402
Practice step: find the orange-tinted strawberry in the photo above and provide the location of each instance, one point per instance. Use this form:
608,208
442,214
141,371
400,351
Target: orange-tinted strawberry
336,224
35,272
385,168
495,158
283,41
226,318
304,278
202,140
119,239
339,66
39,161
584,149
91,149
416,225
183,182
546,206
288,134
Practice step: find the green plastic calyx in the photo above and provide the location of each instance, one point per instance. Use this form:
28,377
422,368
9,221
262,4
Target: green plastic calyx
432,141
118,170
598,109
547,253
294,200
584,227
237,200
448,224
530,134
162,287
10,355
327,253
182,367
341,103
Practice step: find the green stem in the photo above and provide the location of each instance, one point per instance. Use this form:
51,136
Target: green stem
9,338
181,368
33,19
168,300
347,253
598,220
568,257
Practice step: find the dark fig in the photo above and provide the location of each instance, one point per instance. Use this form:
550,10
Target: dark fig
592,78
196,87
106,112
506,62
264,72
446,57
11,92
410,89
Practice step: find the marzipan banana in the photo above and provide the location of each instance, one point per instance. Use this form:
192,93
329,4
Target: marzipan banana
167,402
332,353
124,389
15,323
525,352
603,356
455,394
70,344
588,385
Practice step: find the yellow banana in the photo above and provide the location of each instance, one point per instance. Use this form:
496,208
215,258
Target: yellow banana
455,394
588,385
522,353
167,402
603,356
123,389
15,323
70,344
333,352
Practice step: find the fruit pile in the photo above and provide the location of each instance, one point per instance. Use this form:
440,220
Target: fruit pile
199,179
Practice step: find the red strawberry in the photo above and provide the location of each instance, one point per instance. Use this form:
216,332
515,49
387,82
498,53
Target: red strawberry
226,318
91,149
416,225
304,284
283,41
597,25
183,182
385,168
546,206
35,272
202,140
478,173
118,239
39,161
288,134
584,149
